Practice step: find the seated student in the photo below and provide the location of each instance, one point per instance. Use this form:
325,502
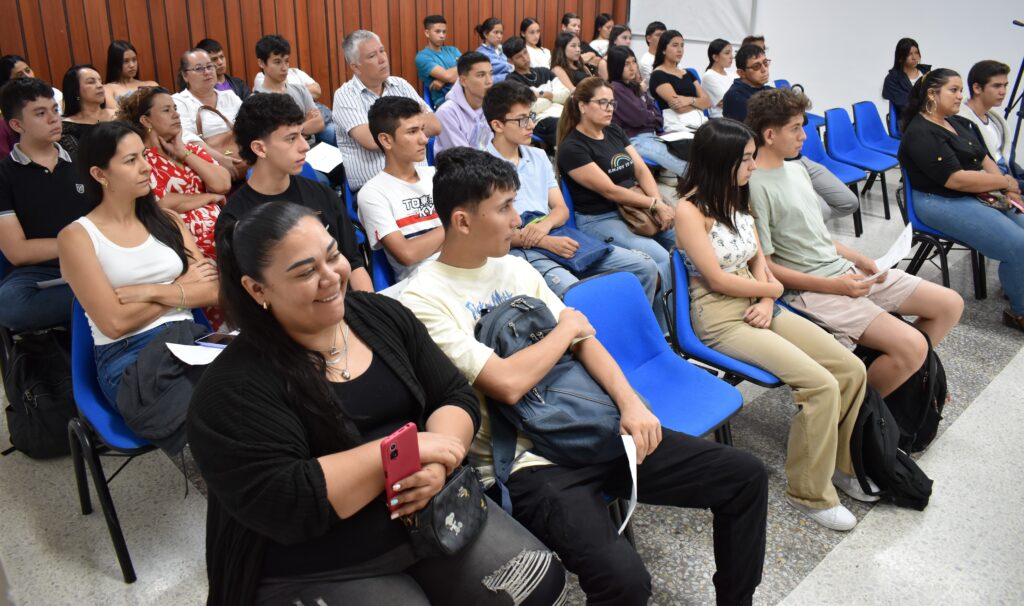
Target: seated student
133,266
225,81
529,30
567,63
603,171
679,93
508,109
947,168
572,24
654,31
122,73
273,54
298,77
206,113
40,193
565,507
719,75
620,36
987,81
372,80
289,444
491,33
15,66
831,281
462,120
732,296
549,91
906,70
268,130
435,64
637,113
601,40
397,205
85,107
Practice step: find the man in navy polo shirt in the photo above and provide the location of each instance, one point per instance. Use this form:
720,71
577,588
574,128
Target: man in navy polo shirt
40,193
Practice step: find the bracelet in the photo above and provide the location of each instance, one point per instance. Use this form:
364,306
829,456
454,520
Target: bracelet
654,204
181,304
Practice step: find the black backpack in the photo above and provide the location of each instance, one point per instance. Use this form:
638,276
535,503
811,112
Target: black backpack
874,448
40,399
917,404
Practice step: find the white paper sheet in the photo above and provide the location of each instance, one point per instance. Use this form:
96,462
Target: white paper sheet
194,355
676,136
630,446
324,157
896,253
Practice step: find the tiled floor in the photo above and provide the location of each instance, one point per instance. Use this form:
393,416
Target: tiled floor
52,554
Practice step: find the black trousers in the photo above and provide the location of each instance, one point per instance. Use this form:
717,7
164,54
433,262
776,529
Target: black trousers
567,510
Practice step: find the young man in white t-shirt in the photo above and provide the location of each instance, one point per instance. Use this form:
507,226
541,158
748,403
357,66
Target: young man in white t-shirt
273,54
397,205
563,506
653,34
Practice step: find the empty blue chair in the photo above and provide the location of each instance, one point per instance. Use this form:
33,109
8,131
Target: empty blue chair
842,144
894,122
571,221
814,150
871,131
688,344
382,274
684,397
780,83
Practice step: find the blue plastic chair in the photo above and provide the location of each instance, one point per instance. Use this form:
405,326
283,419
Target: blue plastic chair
696,74
382,274
687,343
430,151
571,221
894,122
353,216
871,131
933,240
780,83
685,398
427,97
814,150
99,429
842,144
815,120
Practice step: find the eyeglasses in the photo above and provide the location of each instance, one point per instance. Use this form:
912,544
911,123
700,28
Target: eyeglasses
756,67
605,103
523,122
209,67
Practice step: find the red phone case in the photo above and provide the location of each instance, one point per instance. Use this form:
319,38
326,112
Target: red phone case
400,455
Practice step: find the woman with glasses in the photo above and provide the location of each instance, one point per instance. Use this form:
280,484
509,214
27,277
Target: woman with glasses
207,114
122,73
681,98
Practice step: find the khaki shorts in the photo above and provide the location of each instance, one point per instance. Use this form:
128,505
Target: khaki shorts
847,317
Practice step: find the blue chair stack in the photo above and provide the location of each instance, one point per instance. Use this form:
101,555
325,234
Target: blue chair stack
814,150
842,144
871,131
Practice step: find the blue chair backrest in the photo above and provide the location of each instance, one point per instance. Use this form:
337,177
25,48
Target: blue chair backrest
427,97
383,276
813,148
430,151
309,172
894,122
840,136
908,197
868,123
571,222
696,74
780,83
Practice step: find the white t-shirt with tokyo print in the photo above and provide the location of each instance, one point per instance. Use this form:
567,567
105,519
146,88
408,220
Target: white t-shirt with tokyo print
387,204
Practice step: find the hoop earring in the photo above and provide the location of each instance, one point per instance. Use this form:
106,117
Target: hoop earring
930,106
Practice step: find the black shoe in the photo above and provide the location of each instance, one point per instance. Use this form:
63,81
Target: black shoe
1013,320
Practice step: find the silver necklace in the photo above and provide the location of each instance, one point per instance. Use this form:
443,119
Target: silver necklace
333,356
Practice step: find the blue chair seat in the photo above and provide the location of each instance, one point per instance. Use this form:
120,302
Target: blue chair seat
843,145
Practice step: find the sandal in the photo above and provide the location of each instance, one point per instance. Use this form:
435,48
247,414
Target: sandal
1013,320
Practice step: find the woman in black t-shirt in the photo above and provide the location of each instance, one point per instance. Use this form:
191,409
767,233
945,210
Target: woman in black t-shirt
948,168
566,61
285,427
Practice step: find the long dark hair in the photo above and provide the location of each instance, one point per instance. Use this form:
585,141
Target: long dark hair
717,45
245,248
599,21
73,91
616,32
715,156
525,25
7,63
669,36
115,59
617,57
97,148
584,93
558,58
903,48
485,28
918,98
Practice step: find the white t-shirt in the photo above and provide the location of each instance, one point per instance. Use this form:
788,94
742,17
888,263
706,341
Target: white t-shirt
188,106
295,76
716,85
539,56
448,301
997,135
388,204
600,47
646,66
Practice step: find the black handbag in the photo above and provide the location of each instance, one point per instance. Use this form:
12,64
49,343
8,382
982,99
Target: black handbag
452,519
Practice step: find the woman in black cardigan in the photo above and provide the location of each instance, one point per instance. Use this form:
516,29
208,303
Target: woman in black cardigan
285,428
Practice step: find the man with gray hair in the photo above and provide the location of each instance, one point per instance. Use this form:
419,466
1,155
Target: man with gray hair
368,58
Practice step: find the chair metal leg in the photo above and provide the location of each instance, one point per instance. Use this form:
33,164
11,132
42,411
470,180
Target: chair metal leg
109,513
870,182
723,435
79,441
858,222
943,263
980,280
921,255
885,195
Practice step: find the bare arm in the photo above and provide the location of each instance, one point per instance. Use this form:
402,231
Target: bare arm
563,77
361,135
314,90
313,123
20,250
447,76
360,279
431,125
182,203
980,181
411,251
597,181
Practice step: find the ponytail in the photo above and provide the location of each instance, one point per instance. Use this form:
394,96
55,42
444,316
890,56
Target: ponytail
917,101
571,116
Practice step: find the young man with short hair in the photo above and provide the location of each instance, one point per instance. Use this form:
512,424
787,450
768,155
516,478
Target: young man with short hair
551,94
368,58
833,282
752,69
268,129
435,64
225,81
397,206
462,119
40,193
508,110
987,82
571,23
565,507
653,34
273,54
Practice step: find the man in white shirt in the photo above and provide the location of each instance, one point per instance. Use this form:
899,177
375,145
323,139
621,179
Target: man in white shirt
987,82
654,31
397,205
273,54
368,58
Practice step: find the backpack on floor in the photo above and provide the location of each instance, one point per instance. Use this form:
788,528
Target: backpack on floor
37,381
917,404
874,448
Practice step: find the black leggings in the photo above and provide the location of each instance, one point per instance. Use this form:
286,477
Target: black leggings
505,565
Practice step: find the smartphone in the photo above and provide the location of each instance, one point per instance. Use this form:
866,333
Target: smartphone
219,340
400,454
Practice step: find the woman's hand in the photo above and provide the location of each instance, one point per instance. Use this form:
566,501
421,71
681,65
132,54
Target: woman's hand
533,232
415,491
137,293
174,147
200,271
562,246
664,214
232,163
759,315
442,449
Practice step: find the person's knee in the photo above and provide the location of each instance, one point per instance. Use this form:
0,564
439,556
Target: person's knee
533,577
907,351
951,305
842,201
616,575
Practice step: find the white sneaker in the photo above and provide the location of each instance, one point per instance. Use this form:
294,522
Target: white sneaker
836,518
851,486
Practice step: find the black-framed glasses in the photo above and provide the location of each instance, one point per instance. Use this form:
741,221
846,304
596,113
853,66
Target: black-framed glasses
524,121
605,103
209,67
756,67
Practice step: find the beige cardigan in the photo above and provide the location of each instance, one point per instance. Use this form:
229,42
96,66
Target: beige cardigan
994,148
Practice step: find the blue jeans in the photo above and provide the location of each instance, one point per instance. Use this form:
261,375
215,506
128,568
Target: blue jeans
25,306
648,146
113,358
619,259
994,233
328,134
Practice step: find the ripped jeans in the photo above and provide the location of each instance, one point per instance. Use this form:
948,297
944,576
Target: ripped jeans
504,566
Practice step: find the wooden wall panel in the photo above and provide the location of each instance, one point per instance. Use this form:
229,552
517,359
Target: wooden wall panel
54,34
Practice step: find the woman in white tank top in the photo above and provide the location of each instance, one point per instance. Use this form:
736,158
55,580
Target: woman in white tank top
133,266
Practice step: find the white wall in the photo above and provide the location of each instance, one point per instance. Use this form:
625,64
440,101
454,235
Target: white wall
841,51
